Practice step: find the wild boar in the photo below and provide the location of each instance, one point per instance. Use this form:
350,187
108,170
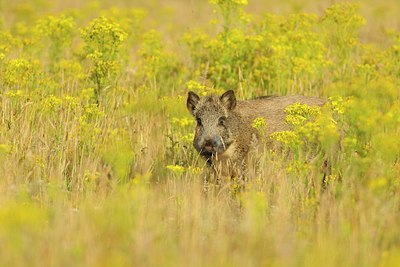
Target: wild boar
224,134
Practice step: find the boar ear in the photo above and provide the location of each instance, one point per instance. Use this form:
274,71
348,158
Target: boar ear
228,99
192,101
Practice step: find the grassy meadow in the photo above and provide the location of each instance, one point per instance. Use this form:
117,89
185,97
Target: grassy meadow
96,162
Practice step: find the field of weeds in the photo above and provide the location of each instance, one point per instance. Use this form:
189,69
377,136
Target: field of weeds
96,162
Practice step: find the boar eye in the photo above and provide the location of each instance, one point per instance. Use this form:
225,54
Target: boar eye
198,121
221,120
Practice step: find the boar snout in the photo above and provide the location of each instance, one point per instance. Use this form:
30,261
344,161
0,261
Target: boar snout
210,146
213,145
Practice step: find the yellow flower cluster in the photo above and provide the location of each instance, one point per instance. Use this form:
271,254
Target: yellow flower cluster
102,31
261,126
58,29
344,14
176,169
20,72
289,138
298,113
202,89
179,170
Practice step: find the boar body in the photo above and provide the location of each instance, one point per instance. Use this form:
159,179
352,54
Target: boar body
272,109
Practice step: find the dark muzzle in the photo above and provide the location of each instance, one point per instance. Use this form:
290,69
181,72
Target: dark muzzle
211,147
